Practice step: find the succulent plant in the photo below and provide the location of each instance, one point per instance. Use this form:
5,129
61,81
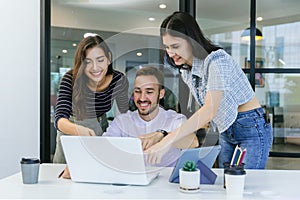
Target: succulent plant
189,166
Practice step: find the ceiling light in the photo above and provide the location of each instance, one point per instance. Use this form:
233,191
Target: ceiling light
259,19
64,51
74,44
246,34
89,34
151,19
281,61
162,6
139,54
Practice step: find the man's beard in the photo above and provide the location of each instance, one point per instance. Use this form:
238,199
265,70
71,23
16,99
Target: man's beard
149,111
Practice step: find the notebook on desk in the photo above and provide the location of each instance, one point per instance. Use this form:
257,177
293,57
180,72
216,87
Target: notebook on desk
109,160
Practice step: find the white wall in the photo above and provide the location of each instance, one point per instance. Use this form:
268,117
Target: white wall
19,83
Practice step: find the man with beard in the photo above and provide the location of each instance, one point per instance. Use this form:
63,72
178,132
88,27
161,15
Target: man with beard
150,117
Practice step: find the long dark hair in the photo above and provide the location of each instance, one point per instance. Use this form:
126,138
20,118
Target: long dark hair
183,25
80,80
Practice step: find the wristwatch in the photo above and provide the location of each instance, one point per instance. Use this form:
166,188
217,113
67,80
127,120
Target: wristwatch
165,133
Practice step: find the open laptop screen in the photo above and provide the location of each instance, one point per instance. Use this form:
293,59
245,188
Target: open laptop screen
105,159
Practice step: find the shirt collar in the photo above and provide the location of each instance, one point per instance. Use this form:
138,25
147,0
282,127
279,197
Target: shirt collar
197,68
140,121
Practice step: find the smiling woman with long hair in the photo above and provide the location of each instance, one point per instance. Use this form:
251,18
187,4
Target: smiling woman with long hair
87,92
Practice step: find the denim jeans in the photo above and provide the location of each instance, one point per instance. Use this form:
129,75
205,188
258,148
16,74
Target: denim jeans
252,131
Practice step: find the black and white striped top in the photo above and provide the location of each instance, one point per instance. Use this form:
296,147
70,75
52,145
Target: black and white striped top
97,103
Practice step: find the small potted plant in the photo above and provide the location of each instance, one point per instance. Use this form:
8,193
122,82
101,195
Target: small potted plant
189,177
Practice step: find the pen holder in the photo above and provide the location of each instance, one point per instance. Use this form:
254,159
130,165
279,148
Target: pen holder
234,183
228,167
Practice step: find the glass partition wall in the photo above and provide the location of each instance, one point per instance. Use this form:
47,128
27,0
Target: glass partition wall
276,68
129,51
133,38
130,28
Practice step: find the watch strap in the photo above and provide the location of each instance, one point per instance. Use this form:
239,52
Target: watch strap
165,133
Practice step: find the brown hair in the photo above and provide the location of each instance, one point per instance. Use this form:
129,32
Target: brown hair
152,71
79,81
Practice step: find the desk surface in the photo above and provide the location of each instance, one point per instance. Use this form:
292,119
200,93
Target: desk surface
260,184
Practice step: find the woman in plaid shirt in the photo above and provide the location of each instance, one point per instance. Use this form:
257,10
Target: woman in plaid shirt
222,90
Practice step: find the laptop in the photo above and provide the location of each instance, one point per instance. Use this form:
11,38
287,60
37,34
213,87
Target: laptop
108,160
207,156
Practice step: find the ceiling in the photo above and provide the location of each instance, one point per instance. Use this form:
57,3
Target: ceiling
213,15
71,18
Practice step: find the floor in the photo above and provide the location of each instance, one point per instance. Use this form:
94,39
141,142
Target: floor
284,163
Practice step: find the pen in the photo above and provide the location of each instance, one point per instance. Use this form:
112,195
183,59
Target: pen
242,157
61,173
237,156
233,156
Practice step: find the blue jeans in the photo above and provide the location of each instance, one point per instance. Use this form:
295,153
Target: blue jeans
250,130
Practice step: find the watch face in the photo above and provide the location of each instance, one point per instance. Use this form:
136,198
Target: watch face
163,132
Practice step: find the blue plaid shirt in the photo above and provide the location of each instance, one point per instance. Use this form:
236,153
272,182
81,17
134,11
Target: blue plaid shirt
219,72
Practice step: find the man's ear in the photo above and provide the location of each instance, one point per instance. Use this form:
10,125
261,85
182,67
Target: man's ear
161,93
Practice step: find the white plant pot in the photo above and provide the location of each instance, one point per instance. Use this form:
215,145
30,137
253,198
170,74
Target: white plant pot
189,181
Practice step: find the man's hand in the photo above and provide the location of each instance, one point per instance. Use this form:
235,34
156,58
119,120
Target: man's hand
150,139
155,153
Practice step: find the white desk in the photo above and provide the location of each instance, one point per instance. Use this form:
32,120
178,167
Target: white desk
260,184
